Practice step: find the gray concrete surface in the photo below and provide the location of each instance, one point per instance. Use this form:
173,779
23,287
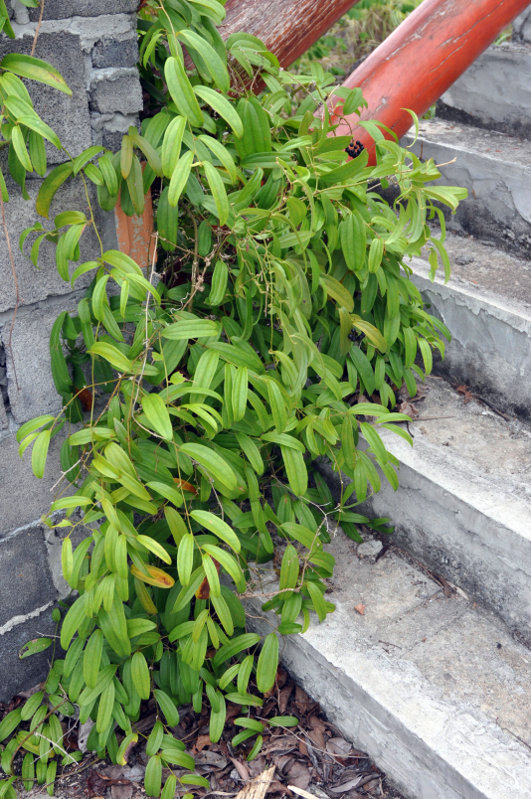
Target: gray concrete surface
464,501
522,26
487,306
495,92
496,170
93,44
432,686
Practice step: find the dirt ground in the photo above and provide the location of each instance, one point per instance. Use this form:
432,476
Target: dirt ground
312,758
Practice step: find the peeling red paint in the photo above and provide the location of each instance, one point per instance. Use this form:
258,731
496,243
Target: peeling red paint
421,59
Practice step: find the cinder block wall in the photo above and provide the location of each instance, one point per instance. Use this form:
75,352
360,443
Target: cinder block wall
93,44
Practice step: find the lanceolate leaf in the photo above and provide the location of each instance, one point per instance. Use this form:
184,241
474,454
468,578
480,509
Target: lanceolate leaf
33,68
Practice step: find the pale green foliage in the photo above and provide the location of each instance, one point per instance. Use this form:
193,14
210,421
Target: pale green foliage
274,329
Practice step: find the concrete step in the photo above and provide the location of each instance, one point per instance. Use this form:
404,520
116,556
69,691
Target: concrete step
431,686
464,502
495,92
496,170
487,306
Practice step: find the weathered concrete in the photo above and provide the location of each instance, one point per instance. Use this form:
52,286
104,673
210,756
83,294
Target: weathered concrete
24,497
496,170
433,687
495,92
23,557
487,306
522,26
18,675
464,501
63,9
93,44
67,115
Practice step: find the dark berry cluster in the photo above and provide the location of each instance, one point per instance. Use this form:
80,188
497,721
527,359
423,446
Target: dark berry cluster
354,148
356,337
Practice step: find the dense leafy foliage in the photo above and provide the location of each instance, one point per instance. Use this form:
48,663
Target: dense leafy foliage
273,328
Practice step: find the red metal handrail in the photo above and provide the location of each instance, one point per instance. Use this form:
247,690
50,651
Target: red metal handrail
421,59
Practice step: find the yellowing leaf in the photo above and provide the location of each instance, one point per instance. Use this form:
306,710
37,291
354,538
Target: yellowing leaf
153,576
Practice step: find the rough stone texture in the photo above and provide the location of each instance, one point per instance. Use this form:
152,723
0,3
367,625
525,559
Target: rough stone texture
18,675
433,687
115,53
24,497
522,26
464,501
37,284
67,115
63,9
496,170
118,92
23,556
90,43
31,388
489,350
495,92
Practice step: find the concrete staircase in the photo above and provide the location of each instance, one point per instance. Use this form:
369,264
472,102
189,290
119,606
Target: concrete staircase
424,663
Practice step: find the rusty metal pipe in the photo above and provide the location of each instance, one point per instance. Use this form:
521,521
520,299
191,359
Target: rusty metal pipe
415,65
287,27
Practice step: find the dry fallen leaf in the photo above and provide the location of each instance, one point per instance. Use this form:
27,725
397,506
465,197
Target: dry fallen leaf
360,609
258,787
299,775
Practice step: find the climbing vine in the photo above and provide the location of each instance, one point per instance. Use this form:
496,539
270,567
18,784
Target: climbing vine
273,326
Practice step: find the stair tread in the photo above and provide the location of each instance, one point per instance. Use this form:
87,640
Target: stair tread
489,144
485,271
432,684
471,451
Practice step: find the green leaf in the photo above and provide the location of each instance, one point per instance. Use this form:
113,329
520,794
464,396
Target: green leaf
157,415
185,558
218,527
215,65
295,470
72,621
17,140
140,675
337,291
289,570
113,355
214,464
34,647
181,91
179,177
218,192
154,546
49,187
167,706
317,599
153,776
266,668
40,453
221,106
191,328
171,145
33,68
221,153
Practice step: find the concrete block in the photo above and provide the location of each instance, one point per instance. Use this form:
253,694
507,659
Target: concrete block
496,170
432,687
25,578
37,284
24,497
495,92
67,115
18,675
463,505
62,9
110,52
31,389
115,91
522,26
491,327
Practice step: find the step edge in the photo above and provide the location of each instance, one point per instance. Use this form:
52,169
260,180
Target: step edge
515,314
369,678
